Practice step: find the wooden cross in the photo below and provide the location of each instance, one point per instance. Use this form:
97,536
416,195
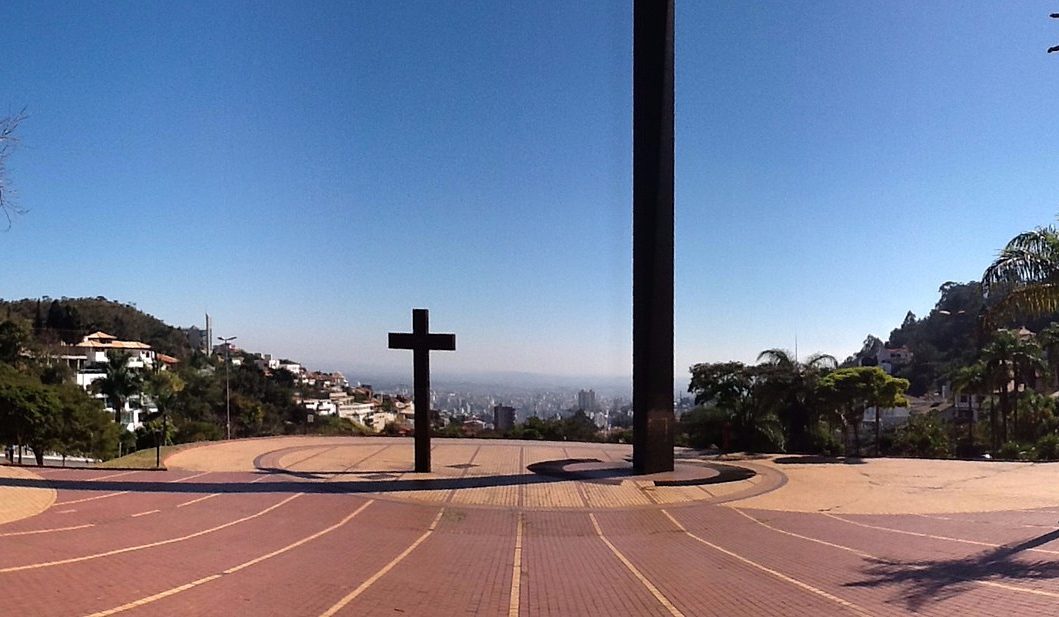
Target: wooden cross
422,342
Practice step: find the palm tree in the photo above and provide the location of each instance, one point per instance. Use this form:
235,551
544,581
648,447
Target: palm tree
1024,278
789,387
1027,360
973,381
1048,339
999,359
119,383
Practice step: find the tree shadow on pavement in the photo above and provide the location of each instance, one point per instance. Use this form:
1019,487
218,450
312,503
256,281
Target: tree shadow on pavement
818,459
923,582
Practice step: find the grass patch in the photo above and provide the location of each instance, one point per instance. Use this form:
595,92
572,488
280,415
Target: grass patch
144,459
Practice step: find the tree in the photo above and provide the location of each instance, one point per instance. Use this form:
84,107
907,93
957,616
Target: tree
1009,358
732,388
1027,359
973,381
27,412
1048,339
788,387
852,390
119,383
885,392
998,358
83,427
13,338
1024,279
8,141
163,387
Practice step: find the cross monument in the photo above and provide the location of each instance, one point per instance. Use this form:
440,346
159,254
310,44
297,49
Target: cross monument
421,341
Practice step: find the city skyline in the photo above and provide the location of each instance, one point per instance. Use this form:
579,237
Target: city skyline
835,165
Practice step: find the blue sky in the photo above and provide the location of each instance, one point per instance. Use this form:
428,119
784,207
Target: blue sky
308,173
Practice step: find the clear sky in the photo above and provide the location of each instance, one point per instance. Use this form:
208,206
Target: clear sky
309,172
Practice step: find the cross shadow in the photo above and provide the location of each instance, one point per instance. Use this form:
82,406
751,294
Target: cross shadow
923,582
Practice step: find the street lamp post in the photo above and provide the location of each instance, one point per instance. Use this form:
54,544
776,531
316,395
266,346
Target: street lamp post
227,382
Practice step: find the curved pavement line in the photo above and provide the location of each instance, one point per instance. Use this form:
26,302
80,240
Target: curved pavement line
658,595
39,531
98,497
859,553
931,536
115,475
129,549
853,608
93,498
382,571
246,564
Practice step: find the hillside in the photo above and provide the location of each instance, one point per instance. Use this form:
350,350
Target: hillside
69,319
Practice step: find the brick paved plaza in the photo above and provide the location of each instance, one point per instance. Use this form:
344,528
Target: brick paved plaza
338,526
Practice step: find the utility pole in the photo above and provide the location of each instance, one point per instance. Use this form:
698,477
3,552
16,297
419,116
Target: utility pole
227,381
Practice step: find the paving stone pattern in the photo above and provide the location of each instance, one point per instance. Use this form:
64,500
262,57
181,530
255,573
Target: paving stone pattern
321,527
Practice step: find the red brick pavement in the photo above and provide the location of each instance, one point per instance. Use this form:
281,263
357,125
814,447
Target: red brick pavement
312,555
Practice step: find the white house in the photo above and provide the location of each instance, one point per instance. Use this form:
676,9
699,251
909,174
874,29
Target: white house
88,359
889,417
320,406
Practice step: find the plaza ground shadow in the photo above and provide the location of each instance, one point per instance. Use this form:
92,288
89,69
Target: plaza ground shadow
373,481
818,459
923,582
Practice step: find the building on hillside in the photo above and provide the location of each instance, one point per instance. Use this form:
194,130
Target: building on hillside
888,358
267,362
89,360
320,406
360,413
503,418
291,367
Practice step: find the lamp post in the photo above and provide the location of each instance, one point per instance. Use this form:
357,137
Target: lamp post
227,382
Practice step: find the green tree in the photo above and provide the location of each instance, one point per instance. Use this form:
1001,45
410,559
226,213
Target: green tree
998,357
852,390
973,381
789,388
733,388
119,383
1048,339
13,339
163,387
28,412
1024,278
84,427
1027,360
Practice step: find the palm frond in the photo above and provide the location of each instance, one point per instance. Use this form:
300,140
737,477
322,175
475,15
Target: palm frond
821,360
777,357
1029,300
1014,267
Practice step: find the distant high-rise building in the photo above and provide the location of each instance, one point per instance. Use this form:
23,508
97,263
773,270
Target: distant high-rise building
586,400
503,418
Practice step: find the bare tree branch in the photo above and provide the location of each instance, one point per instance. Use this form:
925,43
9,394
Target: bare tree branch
8,142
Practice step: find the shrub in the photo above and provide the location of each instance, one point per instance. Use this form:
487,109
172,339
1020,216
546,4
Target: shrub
825,442
704,427
197,430
1047,448
923,436
1010,451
